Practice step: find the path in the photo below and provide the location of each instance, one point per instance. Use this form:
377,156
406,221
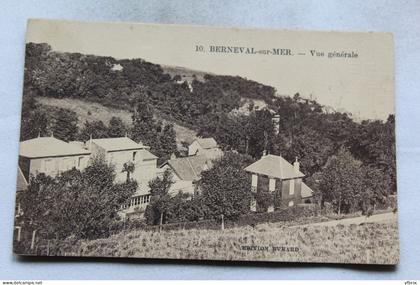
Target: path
379,218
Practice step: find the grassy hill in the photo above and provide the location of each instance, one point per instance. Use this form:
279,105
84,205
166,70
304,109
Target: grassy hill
364,243
90,111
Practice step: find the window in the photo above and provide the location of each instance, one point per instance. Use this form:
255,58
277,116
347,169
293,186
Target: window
254,182
292,187
134,155
291,203
17,233
18,210
79,162
271,184
48,165
66,164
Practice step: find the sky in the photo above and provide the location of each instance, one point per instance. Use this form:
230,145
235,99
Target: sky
362,85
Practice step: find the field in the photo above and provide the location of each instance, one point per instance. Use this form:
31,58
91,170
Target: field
342,243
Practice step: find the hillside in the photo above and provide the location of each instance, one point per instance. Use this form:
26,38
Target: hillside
90,111
236,111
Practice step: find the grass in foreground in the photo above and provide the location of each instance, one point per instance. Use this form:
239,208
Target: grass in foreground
366,243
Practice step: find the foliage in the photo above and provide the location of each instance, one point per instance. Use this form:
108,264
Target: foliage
160,198
65,126
342,181
129,168
116,128
150,132
76,203
94,130
225,187
34,122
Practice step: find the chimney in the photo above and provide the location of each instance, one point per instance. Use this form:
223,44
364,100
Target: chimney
264,152
296,164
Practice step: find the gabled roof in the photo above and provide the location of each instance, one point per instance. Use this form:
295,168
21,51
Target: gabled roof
48,147
188,168
21,183
274,166
306,192
207,143
115,144
146,155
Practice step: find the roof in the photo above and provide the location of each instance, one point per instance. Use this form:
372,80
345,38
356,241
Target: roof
49,147
115,144
306,192
146,155
212,153
274,166
207,143
21,183
188,168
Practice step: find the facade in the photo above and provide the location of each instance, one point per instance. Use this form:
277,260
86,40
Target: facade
50,156
119,151
274,175
205,146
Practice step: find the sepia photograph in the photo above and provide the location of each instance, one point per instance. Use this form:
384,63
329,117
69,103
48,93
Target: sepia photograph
198,143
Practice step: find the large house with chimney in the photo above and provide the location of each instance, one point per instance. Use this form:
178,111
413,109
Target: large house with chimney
273,174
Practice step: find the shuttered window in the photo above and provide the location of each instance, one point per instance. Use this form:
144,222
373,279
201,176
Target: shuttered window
272,184
292,187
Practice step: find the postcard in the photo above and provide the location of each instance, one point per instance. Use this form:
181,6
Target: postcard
204,143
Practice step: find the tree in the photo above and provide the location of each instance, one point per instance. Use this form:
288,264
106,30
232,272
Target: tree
93,129
116,128
77,203
65,125
144,125
226,188
129,168
168,141
34,122
376,187
160,198
341,181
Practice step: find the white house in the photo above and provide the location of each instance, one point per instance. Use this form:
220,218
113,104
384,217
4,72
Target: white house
205,146
50,156
186,172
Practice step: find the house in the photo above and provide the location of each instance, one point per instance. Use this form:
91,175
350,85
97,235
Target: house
186,172
122,150
274,174
205,146
118,151
50,156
